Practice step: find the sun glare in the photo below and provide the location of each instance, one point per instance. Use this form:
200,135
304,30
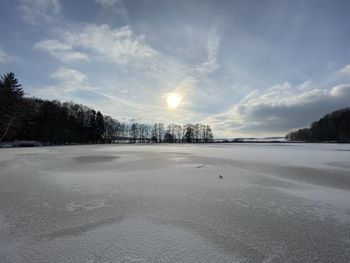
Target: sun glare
173,100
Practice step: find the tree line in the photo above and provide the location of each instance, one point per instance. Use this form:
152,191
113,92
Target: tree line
332,127
55,122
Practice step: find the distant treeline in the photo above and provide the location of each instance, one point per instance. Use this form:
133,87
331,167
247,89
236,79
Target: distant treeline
56,122
332,127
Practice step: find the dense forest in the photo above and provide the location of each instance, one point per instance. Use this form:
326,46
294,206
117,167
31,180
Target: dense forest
55,122
332,127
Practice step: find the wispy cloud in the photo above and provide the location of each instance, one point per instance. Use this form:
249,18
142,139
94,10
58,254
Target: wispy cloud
186,78
61,51
341,91
211,64
4,57
39,11
69,79
345,70
115,6
119,45
66,82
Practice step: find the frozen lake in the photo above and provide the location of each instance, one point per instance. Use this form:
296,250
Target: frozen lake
166,203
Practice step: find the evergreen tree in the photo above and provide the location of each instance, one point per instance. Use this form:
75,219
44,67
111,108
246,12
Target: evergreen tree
11,103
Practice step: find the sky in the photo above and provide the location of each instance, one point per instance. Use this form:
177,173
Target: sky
247,68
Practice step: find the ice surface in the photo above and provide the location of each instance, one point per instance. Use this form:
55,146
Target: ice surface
166,203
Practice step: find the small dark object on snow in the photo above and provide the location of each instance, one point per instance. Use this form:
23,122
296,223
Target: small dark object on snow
220,176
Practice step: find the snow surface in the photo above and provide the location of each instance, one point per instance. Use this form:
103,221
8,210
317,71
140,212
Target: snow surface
166,203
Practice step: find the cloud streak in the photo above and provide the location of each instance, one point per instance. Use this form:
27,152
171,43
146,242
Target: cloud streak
36,12
61,51
212,63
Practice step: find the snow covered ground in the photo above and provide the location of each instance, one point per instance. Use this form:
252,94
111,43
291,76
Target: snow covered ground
166,203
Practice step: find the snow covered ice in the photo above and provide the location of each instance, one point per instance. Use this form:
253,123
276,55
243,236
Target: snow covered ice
166,203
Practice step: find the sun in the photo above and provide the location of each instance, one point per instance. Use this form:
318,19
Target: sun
173,100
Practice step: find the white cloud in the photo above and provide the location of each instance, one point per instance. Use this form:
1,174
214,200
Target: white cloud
67,81
279,109
38,11
119,45
72,79
61,51
345,70
341,90
4,57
